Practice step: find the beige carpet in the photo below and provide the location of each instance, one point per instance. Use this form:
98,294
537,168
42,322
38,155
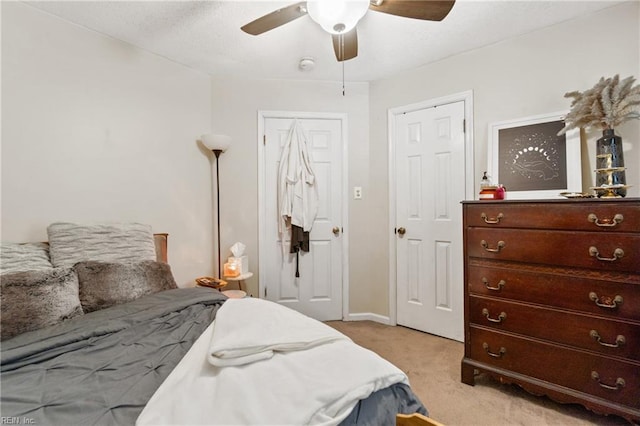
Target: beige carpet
433,366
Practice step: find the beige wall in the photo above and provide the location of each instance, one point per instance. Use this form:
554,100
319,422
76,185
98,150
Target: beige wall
516,78
94,129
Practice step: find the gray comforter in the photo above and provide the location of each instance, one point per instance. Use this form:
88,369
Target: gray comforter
103,367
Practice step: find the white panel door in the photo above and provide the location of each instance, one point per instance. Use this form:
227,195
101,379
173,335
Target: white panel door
430,161
318,291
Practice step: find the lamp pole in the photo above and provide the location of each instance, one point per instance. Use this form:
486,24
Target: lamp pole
217,153
217,144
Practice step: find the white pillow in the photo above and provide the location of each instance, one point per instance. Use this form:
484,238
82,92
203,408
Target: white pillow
16,257
70,243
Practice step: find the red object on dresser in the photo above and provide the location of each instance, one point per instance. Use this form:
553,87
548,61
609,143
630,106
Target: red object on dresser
552,299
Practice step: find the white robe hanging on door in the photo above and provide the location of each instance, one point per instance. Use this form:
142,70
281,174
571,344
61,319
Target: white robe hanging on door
297,189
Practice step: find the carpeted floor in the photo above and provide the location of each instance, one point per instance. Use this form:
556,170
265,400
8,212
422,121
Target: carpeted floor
433,366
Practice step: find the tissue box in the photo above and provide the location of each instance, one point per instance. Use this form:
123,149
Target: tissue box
241,264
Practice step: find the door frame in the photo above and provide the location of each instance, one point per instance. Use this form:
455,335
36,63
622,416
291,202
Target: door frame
469,167
262,220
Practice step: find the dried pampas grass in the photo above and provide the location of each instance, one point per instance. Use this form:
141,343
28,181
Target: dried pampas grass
606,105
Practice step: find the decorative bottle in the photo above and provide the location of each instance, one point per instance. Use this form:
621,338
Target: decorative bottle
487,189
610,165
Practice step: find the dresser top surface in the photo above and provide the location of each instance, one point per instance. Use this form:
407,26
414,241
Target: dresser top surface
557,200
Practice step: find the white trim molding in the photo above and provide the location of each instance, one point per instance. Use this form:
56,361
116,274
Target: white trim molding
369,316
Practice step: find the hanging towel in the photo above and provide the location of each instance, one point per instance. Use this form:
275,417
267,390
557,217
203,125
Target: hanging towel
299,239
299,242
297,189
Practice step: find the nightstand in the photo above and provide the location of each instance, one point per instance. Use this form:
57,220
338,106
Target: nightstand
240,278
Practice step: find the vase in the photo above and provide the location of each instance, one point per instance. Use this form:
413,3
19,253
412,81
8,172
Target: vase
610,171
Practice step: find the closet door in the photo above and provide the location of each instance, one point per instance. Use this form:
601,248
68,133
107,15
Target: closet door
430,183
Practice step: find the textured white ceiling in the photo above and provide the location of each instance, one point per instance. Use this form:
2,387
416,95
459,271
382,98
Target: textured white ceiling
206,35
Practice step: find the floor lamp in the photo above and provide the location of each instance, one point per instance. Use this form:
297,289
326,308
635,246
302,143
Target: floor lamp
218,144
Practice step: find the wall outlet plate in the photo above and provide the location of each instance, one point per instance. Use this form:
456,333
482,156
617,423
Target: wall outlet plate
357,193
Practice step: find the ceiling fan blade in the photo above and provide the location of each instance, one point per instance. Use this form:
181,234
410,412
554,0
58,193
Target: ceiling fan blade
427,10
276,19
345,45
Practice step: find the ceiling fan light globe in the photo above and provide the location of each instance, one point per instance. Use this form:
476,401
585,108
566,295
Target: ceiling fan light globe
337,16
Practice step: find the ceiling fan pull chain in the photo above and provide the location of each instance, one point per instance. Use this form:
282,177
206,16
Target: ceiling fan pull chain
343,90
342,57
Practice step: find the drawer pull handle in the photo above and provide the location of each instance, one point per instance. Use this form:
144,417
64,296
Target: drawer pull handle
620,340
617,254
491,221
501,245
620,383
606,223
605,303
500,353
501,284
501,317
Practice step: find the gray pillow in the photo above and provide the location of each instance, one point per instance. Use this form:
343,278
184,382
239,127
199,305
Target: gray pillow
71,243
15,257
106,284
36,299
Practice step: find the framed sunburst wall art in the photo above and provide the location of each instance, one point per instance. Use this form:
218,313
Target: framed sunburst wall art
529,158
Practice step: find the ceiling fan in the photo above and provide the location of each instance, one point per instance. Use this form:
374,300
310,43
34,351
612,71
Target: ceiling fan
339,17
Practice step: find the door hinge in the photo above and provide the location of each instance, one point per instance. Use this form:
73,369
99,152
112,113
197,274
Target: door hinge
464,125
264,139
265,292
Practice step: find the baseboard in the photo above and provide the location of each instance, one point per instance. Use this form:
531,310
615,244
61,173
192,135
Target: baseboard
368,316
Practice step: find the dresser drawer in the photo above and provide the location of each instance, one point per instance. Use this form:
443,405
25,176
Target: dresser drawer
611,379
597,216
609,252
609,337
616,299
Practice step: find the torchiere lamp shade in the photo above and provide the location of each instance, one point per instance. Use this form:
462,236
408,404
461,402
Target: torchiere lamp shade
216,142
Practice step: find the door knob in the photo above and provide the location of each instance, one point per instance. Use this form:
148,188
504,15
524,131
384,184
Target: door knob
401,231
336,231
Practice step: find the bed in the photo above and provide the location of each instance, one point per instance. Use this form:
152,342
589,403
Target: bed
98,338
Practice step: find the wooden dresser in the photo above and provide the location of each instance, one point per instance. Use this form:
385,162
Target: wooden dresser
552,299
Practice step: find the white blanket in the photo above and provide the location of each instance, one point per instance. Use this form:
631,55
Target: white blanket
316,384
249,330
